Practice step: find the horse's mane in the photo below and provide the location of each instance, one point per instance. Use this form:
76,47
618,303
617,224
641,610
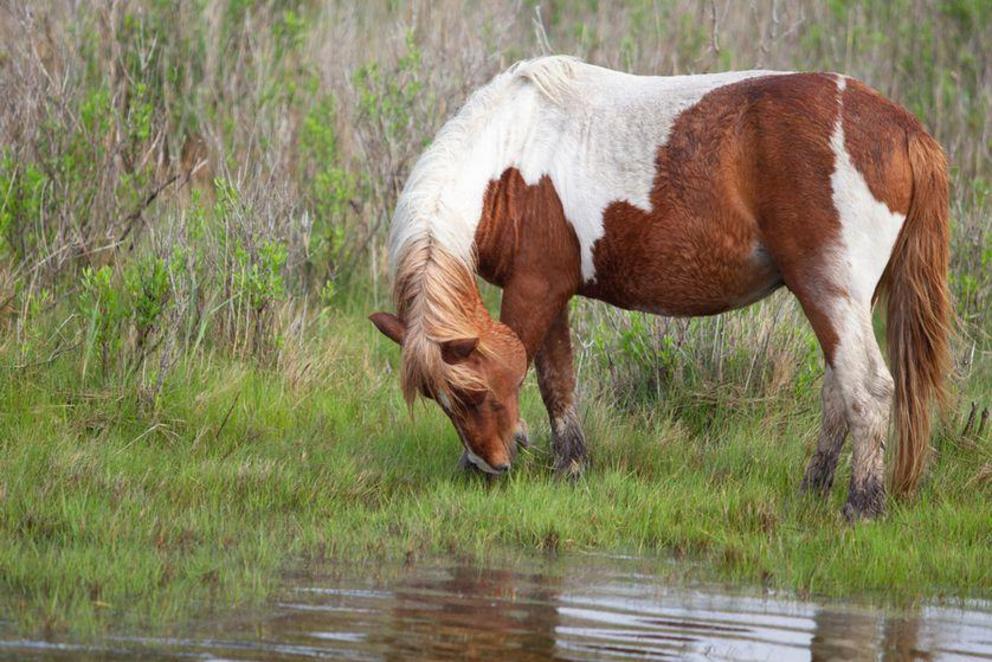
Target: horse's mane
431,246
437,298
551,75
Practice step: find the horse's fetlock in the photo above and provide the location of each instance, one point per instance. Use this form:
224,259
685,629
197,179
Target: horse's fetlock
568,444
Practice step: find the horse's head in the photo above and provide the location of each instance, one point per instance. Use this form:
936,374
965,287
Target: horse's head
475,379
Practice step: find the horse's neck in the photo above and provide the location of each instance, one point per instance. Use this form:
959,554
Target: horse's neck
465,195
456,182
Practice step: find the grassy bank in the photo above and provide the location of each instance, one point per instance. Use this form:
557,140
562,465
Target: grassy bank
193,206
115,513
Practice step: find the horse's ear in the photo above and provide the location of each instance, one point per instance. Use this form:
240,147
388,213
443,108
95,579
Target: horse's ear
390,325
456,351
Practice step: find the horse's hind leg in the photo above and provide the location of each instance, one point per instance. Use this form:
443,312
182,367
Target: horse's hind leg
867,389
860,376
556,379
819,475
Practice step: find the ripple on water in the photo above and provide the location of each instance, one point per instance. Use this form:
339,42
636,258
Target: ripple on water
573,608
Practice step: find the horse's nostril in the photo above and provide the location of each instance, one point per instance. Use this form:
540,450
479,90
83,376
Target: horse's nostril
501,468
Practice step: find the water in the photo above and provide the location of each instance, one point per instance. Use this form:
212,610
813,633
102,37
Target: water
579,608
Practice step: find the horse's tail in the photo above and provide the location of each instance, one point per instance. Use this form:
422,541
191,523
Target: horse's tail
919,310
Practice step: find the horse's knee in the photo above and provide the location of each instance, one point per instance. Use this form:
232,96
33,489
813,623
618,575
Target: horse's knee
868,399
882,387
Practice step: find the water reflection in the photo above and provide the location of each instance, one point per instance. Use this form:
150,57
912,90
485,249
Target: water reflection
847,635
578,608
475,614
900,637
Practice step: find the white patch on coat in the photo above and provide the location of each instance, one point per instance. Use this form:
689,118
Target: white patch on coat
865,386
868,235
479,462
593,131
868,227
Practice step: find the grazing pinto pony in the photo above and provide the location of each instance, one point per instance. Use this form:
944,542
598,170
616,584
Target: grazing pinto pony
683,195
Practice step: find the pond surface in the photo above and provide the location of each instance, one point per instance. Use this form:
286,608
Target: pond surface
577,608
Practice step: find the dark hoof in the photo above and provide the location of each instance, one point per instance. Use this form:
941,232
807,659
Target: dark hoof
852,515
865,503
568,445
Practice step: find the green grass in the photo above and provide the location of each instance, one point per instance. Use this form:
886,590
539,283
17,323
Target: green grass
117,512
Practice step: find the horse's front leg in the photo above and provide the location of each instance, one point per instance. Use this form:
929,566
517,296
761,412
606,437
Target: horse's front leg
535,307
556,378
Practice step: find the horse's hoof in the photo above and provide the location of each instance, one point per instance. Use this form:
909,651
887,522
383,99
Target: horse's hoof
852,515
864,509
568,446
814,489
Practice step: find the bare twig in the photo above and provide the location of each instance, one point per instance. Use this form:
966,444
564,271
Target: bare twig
714,28
970,420
134,216
227,416
541,33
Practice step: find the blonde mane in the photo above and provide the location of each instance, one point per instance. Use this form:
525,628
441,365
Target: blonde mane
437,297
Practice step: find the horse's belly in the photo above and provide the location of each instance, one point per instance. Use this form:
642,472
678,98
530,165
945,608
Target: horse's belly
687,283
696,305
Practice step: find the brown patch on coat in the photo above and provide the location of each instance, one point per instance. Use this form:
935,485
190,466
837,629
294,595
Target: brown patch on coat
875,135
741,204
525,245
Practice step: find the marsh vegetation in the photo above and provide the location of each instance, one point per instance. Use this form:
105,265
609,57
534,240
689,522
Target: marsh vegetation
193,204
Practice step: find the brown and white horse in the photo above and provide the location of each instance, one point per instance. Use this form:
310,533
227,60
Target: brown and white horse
684,195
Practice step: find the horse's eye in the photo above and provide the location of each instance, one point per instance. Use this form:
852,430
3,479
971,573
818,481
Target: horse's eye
474,398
